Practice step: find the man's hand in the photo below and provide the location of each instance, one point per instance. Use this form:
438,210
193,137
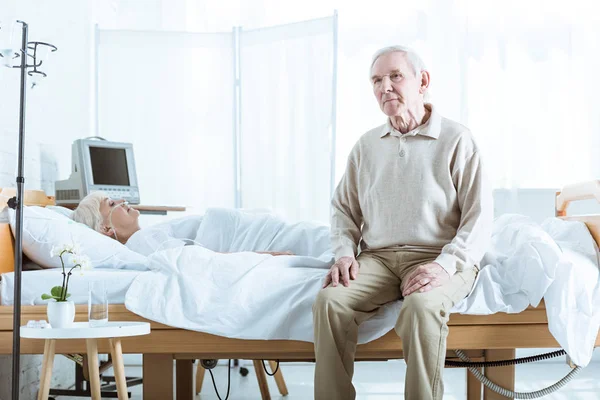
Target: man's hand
424,278
345,268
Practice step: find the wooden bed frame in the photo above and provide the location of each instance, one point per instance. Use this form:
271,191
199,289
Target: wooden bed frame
486,338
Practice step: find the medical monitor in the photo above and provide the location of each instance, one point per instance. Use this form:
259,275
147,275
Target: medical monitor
100,165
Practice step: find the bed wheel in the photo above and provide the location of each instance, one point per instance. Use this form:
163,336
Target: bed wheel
243,371
208,364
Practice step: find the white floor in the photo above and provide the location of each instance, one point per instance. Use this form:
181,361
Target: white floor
384,380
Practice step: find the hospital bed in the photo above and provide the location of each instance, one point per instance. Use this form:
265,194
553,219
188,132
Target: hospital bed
484,338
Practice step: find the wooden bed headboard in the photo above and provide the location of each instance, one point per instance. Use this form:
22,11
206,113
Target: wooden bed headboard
7,241
31,197
7,249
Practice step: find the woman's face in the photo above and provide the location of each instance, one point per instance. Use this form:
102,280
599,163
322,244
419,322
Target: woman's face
118,218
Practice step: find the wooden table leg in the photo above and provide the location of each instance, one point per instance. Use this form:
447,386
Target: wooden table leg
46,378
92,355
262,380
116,352
184,371
503,376
199,377
279,378
158,376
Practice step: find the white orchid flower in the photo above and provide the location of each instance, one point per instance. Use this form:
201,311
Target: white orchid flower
85,262
76,248
77,260
55,252
72,248
58,250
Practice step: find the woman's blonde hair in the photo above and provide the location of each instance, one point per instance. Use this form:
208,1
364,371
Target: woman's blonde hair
88,211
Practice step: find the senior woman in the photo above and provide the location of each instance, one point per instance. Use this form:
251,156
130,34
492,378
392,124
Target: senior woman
116,219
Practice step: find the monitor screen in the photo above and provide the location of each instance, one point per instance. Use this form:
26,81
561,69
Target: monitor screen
109,166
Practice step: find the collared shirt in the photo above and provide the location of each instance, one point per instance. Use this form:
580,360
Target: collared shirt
422,190
431,128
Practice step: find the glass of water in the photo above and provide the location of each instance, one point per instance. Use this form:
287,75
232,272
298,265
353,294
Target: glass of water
97,304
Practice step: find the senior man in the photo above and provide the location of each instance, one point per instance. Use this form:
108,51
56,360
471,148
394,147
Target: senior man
414,200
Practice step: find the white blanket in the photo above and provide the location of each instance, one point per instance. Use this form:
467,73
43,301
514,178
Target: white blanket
252,296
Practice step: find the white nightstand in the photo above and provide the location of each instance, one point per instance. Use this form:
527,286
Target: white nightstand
113,331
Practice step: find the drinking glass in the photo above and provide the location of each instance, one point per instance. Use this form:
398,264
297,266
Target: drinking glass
97,304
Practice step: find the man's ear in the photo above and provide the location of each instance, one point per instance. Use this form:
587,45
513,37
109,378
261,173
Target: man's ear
425,81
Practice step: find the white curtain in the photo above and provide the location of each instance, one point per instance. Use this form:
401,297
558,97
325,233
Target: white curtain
170,94
286,119
532,87
522,75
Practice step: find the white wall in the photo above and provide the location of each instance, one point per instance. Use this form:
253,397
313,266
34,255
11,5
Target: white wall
58,109
58,112
63,375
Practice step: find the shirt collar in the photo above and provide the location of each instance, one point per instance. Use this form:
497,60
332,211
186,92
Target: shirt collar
431,128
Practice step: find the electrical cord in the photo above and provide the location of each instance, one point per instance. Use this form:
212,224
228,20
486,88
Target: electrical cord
265,368
517,395
210,364
503,363
215,384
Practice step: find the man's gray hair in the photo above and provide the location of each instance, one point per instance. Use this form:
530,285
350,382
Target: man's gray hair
414,60
88,211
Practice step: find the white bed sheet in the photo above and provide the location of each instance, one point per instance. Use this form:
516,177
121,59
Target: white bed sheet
248,296
34,283
256,296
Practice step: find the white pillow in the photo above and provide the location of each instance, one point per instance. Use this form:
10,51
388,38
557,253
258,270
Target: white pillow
44,228
61,210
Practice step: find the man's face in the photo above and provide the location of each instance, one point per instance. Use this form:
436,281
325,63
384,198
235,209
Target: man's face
395,85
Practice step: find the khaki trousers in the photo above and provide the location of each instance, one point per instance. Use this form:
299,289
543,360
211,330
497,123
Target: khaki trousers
422,324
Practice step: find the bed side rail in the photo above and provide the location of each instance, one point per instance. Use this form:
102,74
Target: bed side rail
579,191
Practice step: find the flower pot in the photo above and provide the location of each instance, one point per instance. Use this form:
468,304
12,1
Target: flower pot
61,314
